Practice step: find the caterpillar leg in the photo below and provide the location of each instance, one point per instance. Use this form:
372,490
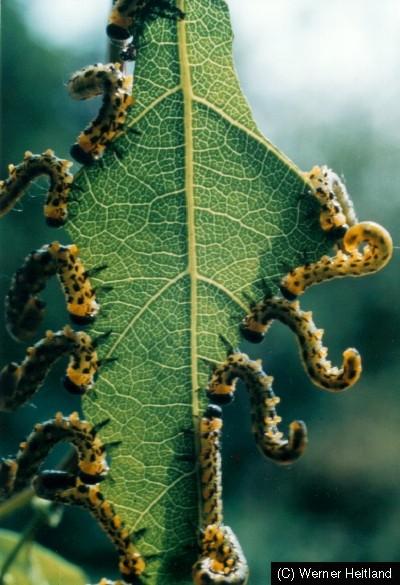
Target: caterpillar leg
18,382
116,88
59,486
127,17
24,310
91,457
349,261
221,558
312,351
33,166
269,439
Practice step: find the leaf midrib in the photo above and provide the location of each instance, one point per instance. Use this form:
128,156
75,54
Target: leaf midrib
190,206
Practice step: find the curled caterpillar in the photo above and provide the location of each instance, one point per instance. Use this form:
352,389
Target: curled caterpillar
210,465
313,353
18,382
59,486
34,165
349,261
116,89
265,419
221,560
24,311
128,16
332,217
33,451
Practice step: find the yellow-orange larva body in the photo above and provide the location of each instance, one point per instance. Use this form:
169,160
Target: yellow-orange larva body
24,310
18,382
116,88
33,166
127,17
67,489
312,351
91,458
332,217
221,560
265,419
210,466
349,260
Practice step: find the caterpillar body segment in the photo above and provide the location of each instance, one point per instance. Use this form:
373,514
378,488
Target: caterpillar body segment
24,310
79,293
351,260
116,89
18,382
83,364
59,486
265,420
81,434
313,353
127,17
211,466
33,166
17,473
343,198
221,559
325,185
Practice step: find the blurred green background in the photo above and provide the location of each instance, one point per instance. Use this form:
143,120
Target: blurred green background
323,84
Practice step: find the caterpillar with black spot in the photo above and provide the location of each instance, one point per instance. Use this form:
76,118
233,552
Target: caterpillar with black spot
332,217
348,261
60,486
221,560
127,17
18,382
33,166
24,311
16,474
270,440
116,88
343,198
313,353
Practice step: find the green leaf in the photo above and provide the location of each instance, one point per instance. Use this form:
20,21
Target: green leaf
199,210
35,565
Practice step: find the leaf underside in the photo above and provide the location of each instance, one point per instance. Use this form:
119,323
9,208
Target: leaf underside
199,210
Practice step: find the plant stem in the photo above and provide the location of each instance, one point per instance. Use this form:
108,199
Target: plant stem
20,500
26,536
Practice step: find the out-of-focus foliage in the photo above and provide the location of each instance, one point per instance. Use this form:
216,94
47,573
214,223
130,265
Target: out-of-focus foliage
36,565
341,501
